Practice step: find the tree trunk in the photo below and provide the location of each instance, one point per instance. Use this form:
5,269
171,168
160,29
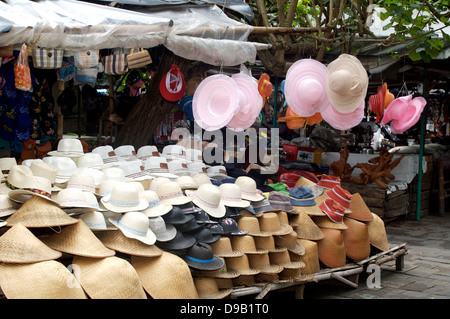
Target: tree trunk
145,116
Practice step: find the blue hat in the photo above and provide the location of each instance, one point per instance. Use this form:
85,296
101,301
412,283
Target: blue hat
302,196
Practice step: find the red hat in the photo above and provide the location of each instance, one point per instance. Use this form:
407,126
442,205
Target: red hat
328,181
172,85
333,210
342,196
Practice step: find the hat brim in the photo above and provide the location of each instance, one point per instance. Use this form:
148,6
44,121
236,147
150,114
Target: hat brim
240,204
215,264
22,195
177,243
158,210
168,234
105,201
340,121
62,154
214,212
149,238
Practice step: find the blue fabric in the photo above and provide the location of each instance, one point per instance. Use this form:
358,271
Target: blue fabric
302,196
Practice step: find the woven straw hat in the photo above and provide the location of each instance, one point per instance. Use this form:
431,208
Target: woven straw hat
232,195
283,259
41,280
268,244
325,222
171,193
77,240
186,182
155,208
124,198
246,244
222,273
105,187
147,151
97,221
39,212
207,288
82,181
17,178
224,248
6,163
310,258
109,278
241,265
72,198
356,239
7,207
70,147
248,188
331,248
158,167
377,233
162,231
359,209
178,167
135,225
306,228
19,245
201,178
165,277
34,186
65,167
251,225
313,210
262,263
92,160
46,170
291,242
117,241
269,222
158,180
208,198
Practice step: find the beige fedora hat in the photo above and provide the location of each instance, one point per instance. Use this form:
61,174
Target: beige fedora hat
117,241
77,240
283,259
147,151
105,187
248,188
178,167
377,233
172,194
135,225
92,160
201,178
291,242
165,277
305,227
197,168
331,248
186,182
97,221
17,177
207,288
310,258
251,225
6,163
109,278
46,170
33,186
38,212
158,180
70,147
208,198
246,244
65,167
224,248
241,265
158,167
194,155
356,239
18,245
72,198
360,211
82,181
123,198
270,223
155,207
41,280
232,195
262,263
107,153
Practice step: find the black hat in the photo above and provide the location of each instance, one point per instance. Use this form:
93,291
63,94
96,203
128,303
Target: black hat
204,235
176,216
190,226
202,217
230,227
201,257
215,228
181,241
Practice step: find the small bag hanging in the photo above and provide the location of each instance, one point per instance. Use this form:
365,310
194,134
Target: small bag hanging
87,75
22,75
86,59
44,58
115,64
138,59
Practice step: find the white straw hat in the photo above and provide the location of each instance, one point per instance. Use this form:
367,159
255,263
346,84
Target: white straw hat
82,181
197,167
70,147
186,182
7,207
17,177
126,152
6,163
163,232
218,172
72,198
92,160
158,167
171,152
147,151
135,225
106,187
158,180
33,186
171,193
194,155
201,178
155,206
46,170
114,173
107,153
208,198
248,188
178,167
65,167
96,221
123,198
232,195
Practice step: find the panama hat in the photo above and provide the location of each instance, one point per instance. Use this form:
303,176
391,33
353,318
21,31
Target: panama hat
246,244
158,167
155,207
172,86
231,195
305,87
217,172
241,265
46,170
341,196
82,181
171,193
65,167
377,233
359,209
97,221
162,231
193,155
208,198
310,258
7,206
208,288
305,227
16,178
197,167
404,112
105,187
134,171
331,248
33,186
6,163
200,256
347,83
224,248
114,174
341,121
117,241
178,167
126,152
38,212
215,102
41,280
18,245
270,223
248,188
329,181
123,198
109,278
290,242
186,182
77,239
147,151
107,153
250,102
174,151
158,180
92,160
72,198
165,277
70,147
135,225
356,239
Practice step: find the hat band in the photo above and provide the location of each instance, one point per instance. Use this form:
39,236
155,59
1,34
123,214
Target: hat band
158,170
171,195
10,186
232,198
132,230
209,204
38,191
96,225
154,203
203,261
123,203
81,186
248,192
72,201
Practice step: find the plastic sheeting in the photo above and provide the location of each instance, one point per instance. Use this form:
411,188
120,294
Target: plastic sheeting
203,34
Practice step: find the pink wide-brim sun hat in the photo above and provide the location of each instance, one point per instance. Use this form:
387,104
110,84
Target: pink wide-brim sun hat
305,87
404,112
340,121
250,102
215,102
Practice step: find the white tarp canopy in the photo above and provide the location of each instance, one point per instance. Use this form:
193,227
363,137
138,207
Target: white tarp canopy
202,34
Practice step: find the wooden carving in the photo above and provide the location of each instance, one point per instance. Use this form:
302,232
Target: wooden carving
341,168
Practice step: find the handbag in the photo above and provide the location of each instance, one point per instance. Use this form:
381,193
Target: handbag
115,64
138,59
44,58
86,59
22,75
87,75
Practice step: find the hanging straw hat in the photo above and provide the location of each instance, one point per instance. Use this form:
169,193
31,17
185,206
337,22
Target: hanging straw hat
359,209
248,188
123,198
232,195
246,244
39,212
347,83
356,239
170,193
207,288
340,121
262,263
40,280
109,278
223,248
331,248
117,241
165,277
77,240
305,87
251,225
241,265
291,242
310,258
270,223
377,233
305,227
135,225
155,206
18,245
215,102
208,198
